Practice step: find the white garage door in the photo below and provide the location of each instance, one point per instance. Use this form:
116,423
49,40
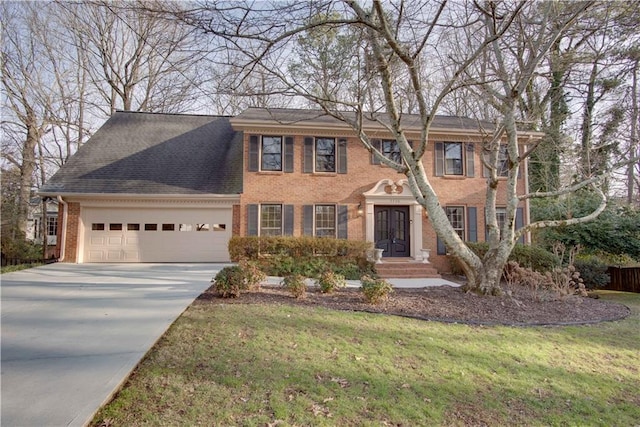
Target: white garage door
156,235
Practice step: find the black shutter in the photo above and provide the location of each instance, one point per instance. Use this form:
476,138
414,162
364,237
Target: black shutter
254,153
308,155
343,219
472,224
307,220
252,220
342,156
520,222
377,144
442,249
288,220
439,159
288,154
470,160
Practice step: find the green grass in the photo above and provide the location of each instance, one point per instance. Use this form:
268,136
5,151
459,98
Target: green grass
258,365
12,268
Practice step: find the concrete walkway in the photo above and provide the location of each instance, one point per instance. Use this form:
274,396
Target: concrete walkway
71,333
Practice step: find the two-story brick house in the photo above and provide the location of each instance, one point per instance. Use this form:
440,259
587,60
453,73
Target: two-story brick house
162,188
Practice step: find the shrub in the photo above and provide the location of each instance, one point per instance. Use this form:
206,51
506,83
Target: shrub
593,272
535,258
330,281
308,256
295,284
253,275
229,282
375,290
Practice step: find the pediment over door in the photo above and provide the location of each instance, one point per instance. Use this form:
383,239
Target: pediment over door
389,191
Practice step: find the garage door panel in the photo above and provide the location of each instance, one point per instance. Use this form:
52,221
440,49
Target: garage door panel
141,237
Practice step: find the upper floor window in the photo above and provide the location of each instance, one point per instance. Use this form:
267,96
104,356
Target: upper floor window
502,166
271,153
455,214
454,159
391,150
325,155
270,220
503,161
325,220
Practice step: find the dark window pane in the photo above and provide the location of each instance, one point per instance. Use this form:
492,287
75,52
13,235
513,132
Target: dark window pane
271,153
168,227
115,227
151,227
97,227
453,158
133,227
325,155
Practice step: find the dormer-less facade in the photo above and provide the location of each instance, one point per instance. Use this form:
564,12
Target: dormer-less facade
308,174
175,188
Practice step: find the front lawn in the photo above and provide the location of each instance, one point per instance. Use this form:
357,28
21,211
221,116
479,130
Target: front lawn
271,364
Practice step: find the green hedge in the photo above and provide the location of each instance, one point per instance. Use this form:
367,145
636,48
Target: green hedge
308,256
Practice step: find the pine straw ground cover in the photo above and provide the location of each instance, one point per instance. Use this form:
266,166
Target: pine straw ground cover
266,359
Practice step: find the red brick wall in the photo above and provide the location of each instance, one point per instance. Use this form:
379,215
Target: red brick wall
72,229
300,189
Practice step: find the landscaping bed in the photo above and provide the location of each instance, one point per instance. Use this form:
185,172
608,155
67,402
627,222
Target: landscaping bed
516,306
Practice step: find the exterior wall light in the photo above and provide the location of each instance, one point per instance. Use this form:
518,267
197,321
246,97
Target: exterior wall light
360,210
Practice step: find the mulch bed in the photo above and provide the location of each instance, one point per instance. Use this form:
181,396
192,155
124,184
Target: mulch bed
518,307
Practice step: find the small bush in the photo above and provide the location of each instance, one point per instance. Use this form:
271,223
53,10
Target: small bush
253,275
295,284
229,282
375,290
593,272
330,282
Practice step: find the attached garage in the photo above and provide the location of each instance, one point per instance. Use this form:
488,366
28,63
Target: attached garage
156,234
150,187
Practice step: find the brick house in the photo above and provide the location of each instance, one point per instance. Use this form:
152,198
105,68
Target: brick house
175,188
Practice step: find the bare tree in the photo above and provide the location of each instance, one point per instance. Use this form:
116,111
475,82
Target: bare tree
26,117
400,46
136,61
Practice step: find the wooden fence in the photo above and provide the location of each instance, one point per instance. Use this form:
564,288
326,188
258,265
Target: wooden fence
624,279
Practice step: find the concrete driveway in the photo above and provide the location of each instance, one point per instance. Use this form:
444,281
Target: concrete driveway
71,333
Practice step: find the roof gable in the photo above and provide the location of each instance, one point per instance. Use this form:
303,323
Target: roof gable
145,153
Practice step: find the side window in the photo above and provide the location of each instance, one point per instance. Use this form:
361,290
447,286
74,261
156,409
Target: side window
271,153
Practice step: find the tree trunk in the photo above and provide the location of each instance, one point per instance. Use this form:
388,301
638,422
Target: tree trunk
633,148
27,170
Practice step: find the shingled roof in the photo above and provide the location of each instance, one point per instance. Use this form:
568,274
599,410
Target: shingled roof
319,117
149,153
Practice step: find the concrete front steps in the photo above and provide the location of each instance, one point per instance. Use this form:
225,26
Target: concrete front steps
405,268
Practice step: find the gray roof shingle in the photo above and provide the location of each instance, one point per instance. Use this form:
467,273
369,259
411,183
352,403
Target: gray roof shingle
150,153
292,116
